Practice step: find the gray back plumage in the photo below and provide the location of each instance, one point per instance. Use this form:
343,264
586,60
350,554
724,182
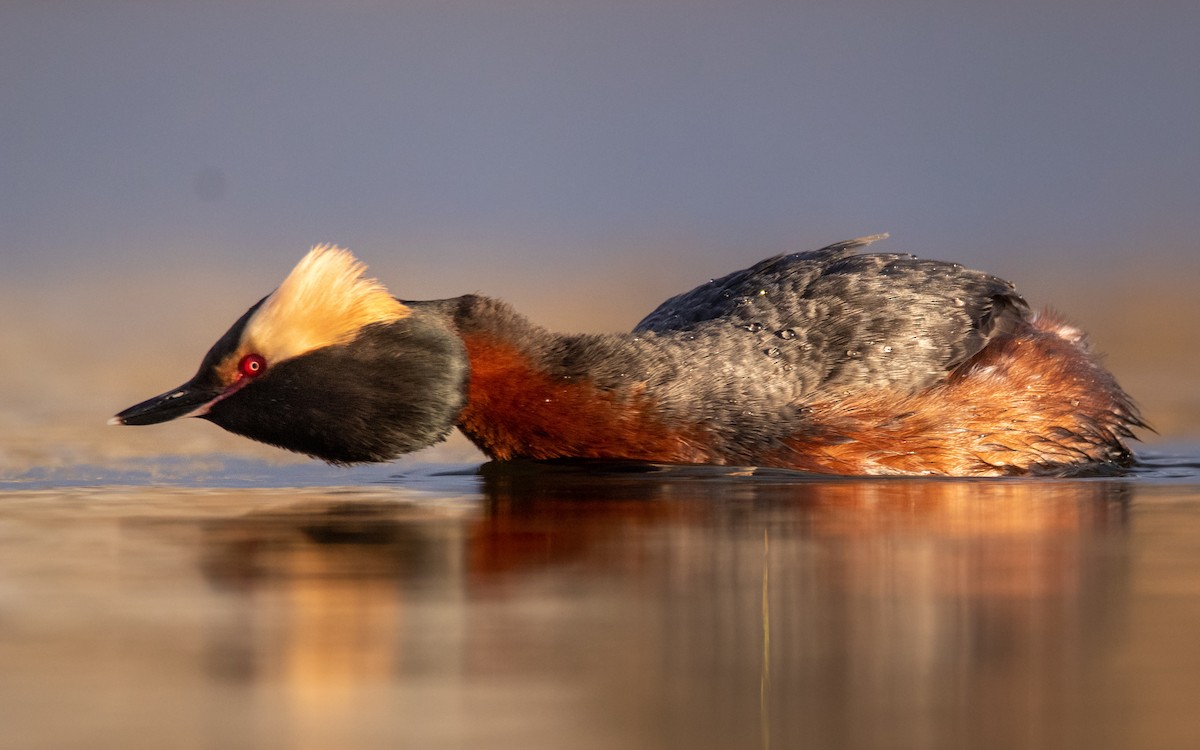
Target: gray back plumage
833,319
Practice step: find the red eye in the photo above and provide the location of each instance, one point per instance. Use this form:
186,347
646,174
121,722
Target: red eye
252,365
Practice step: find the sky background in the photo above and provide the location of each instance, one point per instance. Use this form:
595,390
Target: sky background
163,164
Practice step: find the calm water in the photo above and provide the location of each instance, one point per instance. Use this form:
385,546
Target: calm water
243,605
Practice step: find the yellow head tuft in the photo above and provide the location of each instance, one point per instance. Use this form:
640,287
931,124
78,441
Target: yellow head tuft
324,301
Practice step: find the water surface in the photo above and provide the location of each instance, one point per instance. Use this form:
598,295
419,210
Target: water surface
238,604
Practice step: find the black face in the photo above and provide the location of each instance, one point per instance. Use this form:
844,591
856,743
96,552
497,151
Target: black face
395,388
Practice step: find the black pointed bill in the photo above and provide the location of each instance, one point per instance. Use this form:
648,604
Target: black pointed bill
188,399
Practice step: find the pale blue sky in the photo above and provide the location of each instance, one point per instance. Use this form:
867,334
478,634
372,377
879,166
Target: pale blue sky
147,132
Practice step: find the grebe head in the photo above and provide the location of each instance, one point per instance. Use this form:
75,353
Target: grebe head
329,364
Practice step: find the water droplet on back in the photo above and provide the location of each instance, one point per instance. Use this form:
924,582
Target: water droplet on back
772,352
787,334
752,327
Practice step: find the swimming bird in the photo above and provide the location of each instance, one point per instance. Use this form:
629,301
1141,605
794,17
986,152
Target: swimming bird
833,361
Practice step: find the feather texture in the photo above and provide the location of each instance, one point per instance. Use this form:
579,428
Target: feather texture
326,300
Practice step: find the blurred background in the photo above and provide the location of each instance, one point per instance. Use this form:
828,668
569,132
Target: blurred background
162,166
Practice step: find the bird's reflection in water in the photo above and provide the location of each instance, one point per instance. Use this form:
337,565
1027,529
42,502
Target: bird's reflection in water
699,605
